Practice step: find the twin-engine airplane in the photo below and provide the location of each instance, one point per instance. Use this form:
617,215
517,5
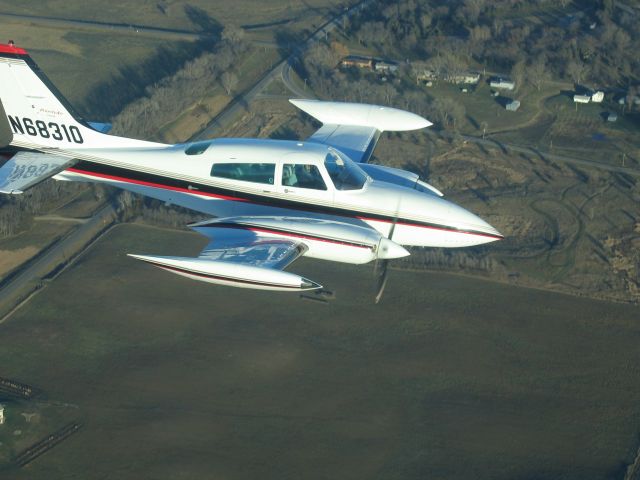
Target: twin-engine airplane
272,200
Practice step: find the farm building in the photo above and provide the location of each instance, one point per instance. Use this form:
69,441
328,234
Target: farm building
468,77
612,117
358,62
426,74
502,84
581,98
386,67
513,105
597,97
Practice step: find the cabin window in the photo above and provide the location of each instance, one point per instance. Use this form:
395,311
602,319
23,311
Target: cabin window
344,173
197,148
302,176
247,172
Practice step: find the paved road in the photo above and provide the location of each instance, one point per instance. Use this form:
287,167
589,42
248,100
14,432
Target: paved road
48,260
58,218
282,70
285,74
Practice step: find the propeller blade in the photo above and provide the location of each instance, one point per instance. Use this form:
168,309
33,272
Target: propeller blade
384,264
382,280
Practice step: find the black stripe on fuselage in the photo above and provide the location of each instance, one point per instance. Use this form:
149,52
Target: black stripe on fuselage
196,188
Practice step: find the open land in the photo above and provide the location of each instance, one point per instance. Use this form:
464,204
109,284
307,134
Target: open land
449,376
179,14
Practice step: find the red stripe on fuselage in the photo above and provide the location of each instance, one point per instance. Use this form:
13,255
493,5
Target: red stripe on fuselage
430,227
155,185
238,199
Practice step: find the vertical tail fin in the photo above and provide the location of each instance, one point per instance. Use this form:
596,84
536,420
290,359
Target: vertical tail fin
6,135
38,115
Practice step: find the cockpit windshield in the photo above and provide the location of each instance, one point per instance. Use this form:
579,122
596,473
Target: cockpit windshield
346,175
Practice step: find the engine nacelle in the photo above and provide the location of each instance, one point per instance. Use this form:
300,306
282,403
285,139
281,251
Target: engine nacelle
231,274
324,239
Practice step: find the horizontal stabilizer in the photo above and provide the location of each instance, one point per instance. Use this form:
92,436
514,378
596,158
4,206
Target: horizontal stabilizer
26,169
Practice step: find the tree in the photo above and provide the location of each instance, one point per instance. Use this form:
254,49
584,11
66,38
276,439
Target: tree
630,98
339,50
448,112
229,81
518,74
232,34
538,73
576,70
484,125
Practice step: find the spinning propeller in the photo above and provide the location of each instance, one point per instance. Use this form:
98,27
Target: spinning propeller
381,266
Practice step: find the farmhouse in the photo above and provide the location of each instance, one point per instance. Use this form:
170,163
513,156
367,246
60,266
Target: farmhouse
358,62
386,67
502,84
581,98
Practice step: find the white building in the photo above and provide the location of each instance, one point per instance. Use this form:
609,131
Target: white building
467,77
502,83
386,67
597,97
581,98
1,414
513,105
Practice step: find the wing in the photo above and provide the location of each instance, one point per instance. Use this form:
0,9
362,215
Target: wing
240,257
354,128
245,247
252,252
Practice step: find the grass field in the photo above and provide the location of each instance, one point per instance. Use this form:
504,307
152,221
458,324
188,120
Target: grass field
177,14
448,378
121,61
67,55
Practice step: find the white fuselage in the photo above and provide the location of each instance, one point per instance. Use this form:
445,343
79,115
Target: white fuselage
169,174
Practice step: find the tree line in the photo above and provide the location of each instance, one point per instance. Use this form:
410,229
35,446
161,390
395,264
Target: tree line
588,43
168,98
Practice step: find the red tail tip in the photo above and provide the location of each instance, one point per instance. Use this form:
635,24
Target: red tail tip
11,48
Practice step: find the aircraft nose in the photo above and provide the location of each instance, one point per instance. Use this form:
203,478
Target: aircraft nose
388,249
467,221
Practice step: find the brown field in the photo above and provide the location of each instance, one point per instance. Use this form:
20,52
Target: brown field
9,259
449,377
